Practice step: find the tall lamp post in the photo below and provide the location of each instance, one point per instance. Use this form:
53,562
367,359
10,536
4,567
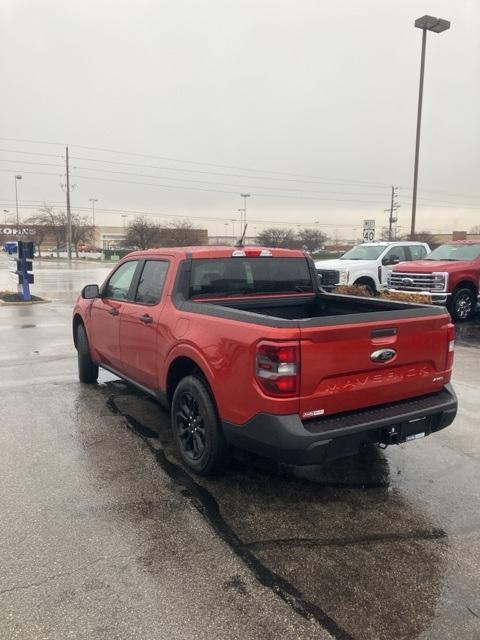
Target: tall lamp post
437,25
17,178
244,222
93,200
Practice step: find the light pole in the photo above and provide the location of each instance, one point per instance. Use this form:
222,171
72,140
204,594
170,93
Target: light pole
93,200
244,196
17,178
437,25
233,230
124,216
5,211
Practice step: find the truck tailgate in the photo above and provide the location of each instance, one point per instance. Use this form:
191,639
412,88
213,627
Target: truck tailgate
342,366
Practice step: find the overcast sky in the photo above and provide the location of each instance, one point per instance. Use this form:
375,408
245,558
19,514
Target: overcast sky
308,105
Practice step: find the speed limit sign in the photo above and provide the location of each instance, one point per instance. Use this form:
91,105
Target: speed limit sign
368,230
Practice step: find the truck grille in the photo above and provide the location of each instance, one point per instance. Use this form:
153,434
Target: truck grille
328,277
411,281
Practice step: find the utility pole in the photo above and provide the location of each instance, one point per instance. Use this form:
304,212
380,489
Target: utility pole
393,212
69,212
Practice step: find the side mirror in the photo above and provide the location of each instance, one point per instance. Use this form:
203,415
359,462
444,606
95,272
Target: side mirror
90,291
390,260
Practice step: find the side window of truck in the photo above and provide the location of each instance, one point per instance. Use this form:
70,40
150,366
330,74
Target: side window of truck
398,252
119,284
150,285
417,252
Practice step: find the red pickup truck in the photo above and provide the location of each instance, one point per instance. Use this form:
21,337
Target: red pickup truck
247,351
450,274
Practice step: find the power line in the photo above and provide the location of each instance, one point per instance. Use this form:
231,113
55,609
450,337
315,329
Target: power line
158,214
215,173
31,153
194,162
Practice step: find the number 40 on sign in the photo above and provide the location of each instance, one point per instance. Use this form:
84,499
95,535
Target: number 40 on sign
368,230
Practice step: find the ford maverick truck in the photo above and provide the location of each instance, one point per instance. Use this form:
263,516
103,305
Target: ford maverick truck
247,351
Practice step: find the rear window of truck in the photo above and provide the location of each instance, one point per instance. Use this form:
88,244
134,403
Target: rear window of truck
243,276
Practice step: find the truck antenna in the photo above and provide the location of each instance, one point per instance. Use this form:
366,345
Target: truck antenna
239,243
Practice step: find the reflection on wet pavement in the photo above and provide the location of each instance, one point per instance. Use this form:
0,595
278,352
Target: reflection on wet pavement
337,543
468,333
56,280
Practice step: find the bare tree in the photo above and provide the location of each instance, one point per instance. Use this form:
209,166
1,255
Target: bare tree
180,234
82,231
475,229
422,236
277,237
49,222
43,229
310,239
143,233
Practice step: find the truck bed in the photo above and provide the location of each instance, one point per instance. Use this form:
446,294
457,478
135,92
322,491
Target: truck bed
321,306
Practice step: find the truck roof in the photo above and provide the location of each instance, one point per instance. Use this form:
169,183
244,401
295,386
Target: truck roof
199,252
382,243
462,242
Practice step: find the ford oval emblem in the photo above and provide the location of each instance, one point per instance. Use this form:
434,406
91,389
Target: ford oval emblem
383,355
407,282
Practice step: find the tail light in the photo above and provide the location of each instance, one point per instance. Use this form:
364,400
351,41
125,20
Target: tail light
451,345
277,368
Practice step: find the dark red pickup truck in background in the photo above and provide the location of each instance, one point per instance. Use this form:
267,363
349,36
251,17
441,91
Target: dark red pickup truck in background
450,275
247,351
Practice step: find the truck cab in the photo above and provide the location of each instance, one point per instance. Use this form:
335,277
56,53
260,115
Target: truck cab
368,264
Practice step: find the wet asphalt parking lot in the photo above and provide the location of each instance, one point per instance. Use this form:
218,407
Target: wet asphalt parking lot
103,534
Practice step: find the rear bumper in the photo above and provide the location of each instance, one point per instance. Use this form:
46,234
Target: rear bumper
288,439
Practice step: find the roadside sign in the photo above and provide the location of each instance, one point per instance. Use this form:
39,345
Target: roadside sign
368,230
23,268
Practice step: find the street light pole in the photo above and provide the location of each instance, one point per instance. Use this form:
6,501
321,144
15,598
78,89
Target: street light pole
93,200
17,177
244,196
437,25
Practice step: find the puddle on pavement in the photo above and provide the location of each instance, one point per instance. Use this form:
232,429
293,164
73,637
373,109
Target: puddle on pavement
468,333
337,543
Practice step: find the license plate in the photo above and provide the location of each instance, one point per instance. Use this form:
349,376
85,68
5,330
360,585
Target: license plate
415,436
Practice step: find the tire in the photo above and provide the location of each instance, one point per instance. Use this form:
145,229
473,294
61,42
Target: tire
462,304
370,288
87,369
196,427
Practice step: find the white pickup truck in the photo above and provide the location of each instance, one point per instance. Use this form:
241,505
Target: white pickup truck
368,264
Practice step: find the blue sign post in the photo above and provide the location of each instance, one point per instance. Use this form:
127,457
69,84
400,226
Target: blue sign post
24,268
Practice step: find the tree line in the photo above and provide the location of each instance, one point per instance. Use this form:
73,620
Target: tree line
142,233
309,239
50,223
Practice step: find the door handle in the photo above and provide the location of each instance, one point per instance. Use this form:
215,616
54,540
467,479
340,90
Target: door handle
114,311
146,319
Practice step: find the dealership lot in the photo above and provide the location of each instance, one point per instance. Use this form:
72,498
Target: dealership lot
104,534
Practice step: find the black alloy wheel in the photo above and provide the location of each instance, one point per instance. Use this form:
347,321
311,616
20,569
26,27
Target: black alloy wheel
462,304
190,426
196,427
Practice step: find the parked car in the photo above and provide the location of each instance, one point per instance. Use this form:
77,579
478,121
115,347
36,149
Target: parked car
450,275
247,352
368,264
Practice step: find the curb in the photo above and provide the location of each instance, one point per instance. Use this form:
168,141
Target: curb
22,303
